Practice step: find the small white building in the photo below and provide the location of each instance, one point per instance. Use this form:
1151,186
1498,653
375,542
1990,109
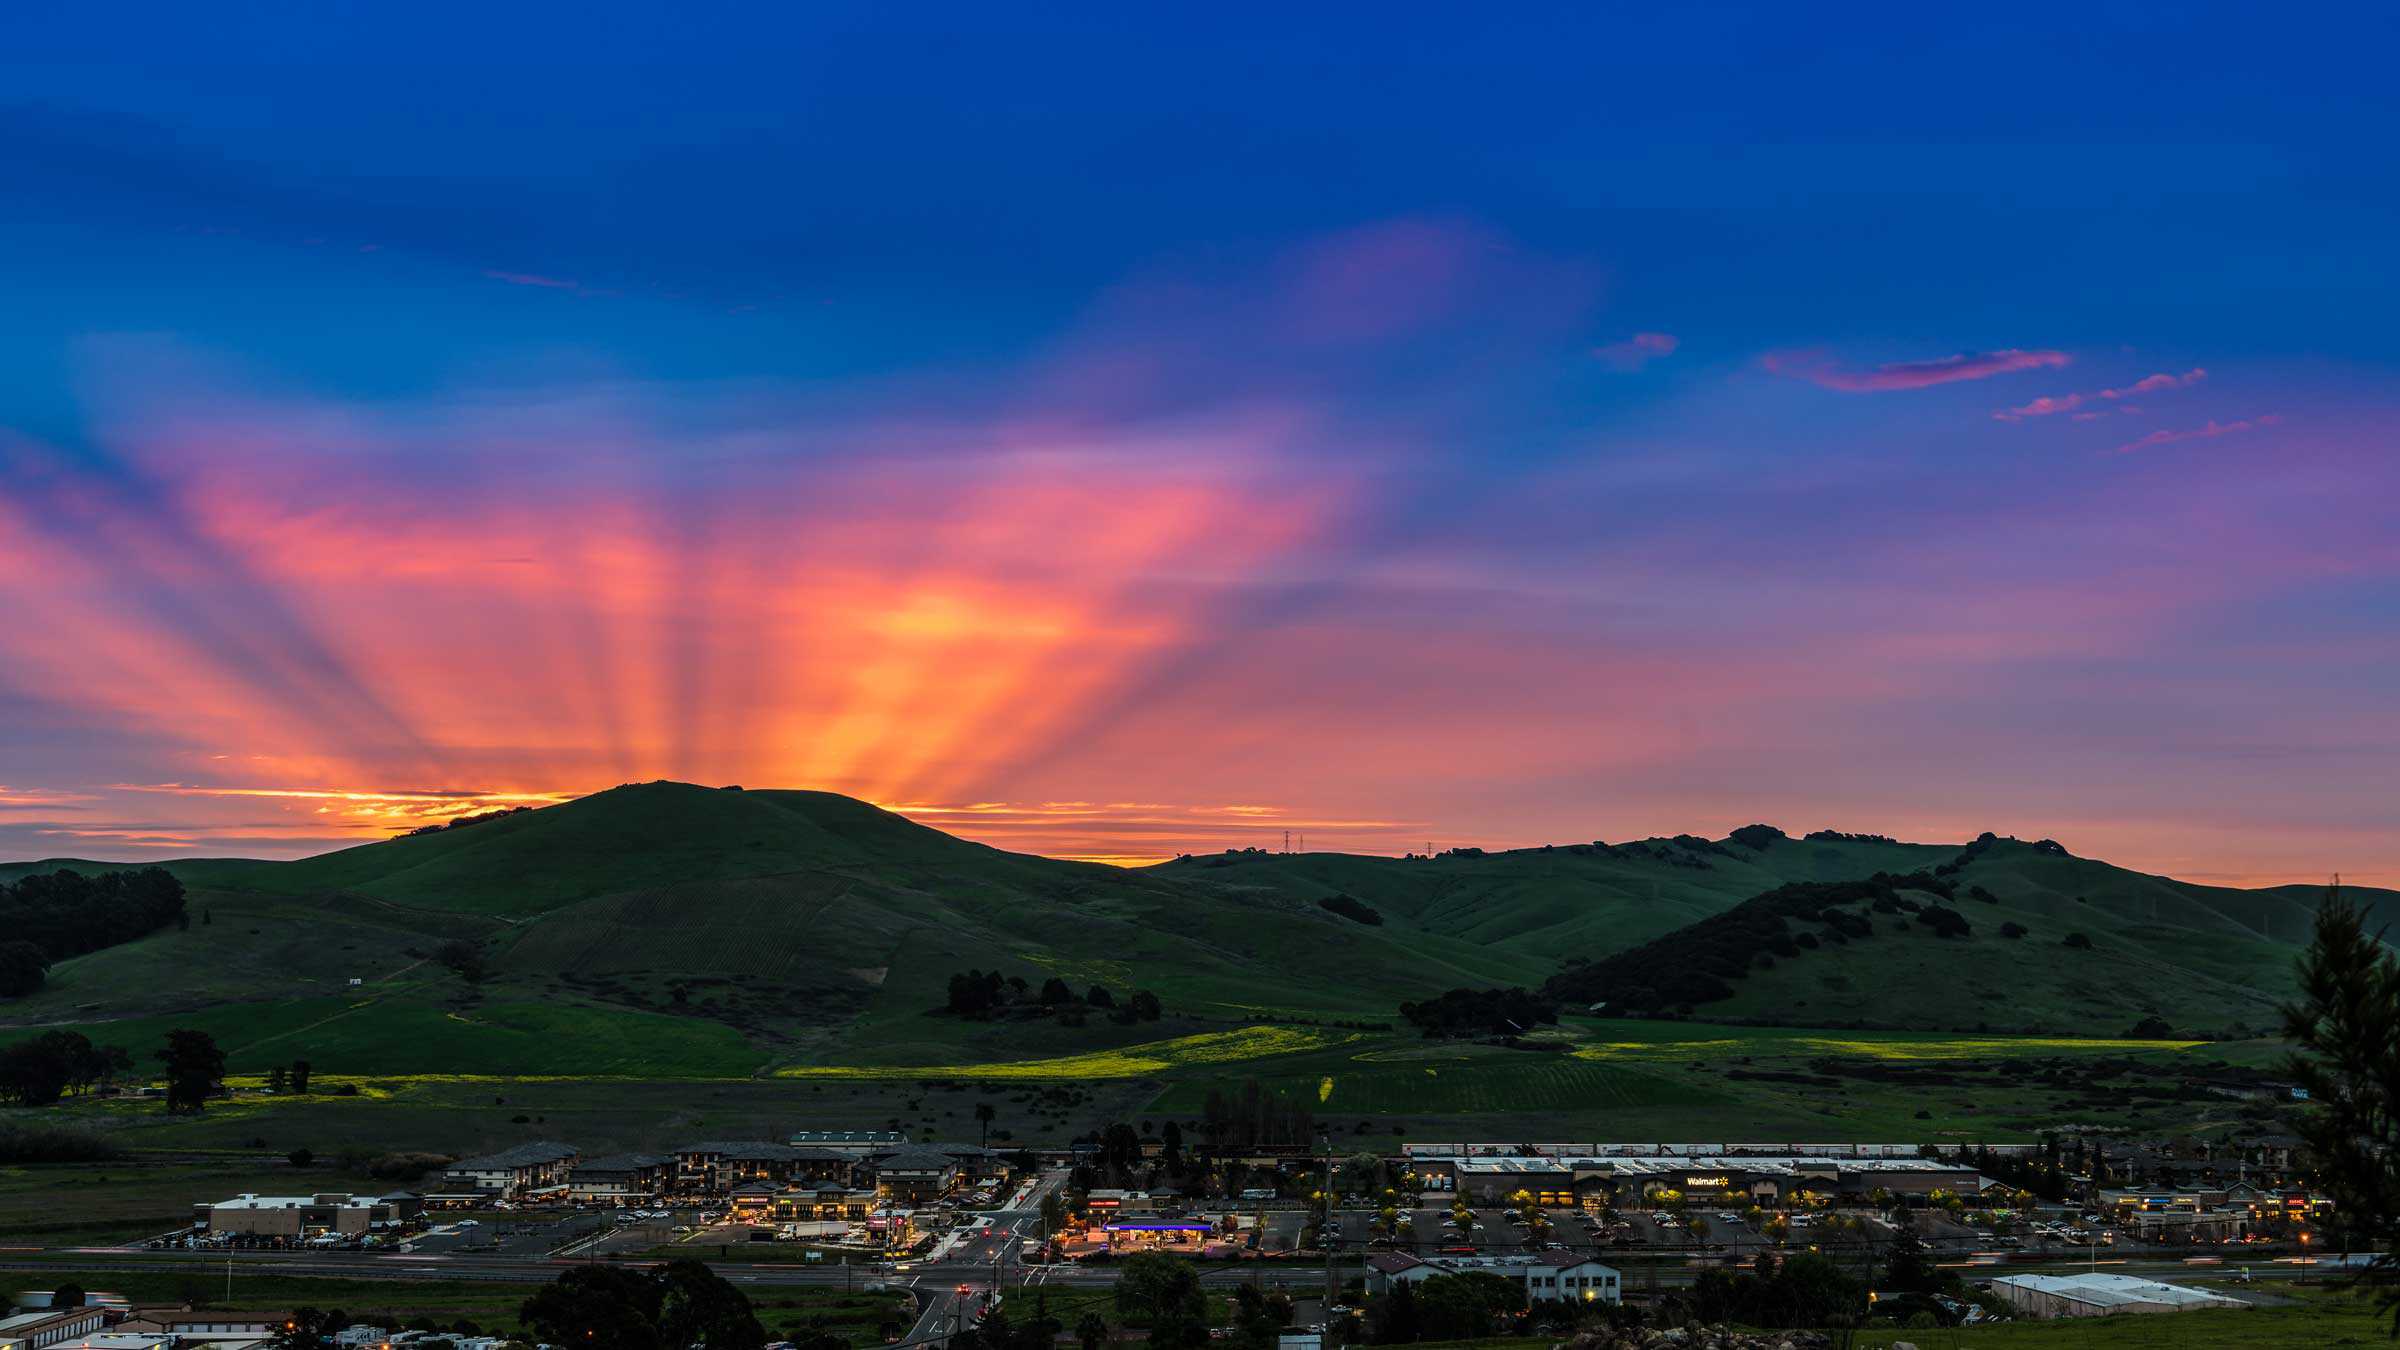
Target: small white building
1553,1277
2098,1295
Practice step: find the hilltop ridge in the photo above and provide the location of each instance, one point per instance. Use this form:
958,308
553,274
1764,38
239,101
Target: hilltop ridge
807,927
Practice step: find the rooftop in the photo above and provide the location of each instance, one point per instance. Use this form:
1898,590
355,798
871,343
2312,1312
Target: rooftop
746,1150
1392,1263
915,1160
1664,1164
2116,1291
532,1154
249,1201
623,1162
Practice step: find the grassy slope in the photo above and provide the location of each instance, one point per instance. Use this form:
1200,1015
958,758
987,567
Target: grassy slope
806,928
2198,956
1540,903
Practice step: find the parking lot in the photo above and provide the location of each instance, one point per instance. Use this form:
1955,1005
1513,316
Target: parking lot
504,1234
1501,1232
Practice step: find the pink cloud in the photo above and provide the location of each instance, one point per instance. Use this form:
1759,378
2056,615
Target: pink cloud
1820,370
2059,403
2151,384
2207,431
1637,351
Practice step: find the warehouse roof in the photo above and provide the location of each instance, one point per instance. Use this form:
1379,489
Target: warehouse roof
2119,1291
1667,1164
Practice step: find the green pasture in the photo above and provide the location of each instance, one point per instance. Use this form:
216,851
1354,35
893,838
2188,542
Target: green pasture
384,1034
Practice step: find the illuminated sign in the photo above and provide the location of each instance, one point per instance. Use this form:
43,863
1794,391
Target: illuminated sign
1703,1183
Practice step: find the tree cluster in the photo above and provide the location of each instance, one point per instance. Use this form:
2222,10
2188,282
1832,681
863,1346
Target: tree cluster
672,1307
989,996
1699,962
51,916
1988,842
1945,921
461,822
1845,837
2345,1033
2043,1176
464,957
195,1071
1161,1293
1467,1306
57,1064
1805,1289
1481,1012
1351,907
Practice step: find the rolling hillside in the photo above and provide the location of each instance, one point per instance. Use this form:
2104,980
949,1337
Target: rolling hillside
750,931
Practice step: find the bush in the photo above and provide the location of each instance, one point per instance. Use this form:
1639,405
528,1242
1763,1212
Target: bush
1945,921
2076,940
1480,1012
1351,907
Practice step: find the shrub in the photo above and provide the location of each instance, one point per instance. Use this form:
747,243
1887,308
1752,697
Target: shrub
1351,907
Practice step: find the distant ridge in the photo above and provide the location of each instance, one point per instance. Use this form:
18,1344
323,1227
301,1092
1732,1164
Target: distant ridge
811,919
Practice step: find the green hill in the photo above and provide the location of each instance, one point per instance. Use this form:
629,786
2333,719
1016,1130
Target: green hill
794,929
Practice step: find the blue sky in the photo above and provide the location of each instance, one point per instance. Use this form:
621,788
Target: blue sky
1477,427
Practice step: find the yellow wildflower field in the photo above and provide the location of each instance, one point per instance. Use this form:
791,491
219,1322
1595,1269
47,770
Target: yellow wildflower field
1133,1061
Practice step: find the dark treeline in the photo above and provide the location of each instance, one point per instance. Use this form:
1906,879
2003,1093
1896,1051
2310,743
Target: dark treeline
2045,1175
1481,1012
1699,962
65,913
57,1064
461,822
1806,1289
987,995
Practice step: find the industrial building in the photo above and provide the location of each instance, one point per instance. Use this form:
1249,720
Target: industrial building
1547,1276
300,1216
540,1166
1625,1180
2099,1295
43,1329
